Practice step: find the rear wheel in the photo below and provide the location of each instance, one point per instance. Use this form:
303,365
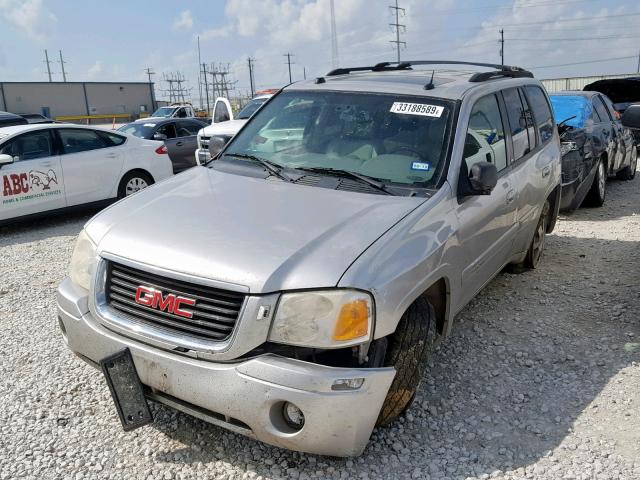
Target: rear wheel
407,352
536,247
597,192
133,182
629,173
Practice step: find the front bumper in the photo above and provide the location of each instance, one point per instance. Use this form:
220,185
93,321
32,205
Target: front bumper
244,396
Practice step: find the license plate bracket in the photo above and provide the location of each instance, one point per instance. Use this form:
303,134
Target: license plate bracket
126,390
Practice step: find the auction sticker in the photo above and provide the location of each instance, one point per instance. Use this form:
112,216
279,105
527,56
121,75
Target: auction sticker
417,109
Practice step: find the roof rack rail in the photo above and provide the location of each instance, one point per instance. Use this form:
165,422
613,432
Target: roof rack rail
500,70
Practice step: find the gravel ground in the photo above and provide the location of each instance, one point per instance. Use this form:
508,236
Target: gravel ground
540,379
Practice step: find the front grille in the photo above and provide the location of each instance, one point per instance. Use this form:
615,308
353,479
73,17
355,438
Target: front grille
215,312
204,142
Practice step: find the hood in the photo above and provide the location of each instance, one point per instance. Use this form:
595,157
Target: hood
260,234
230,127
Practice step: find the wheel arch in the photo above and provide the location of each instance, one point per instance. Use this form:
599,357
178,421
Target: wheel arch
554,207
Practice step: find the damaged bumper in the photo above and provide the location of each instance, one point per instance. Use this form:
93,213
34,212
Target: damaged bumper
246,396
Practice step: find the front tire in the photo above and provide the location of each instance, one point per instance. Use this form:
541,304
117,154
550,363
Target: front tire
133,182
407,352
597,193
536,247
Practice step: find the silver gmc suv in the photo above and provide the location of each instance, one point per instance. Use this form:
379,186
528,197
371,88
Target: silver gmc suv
292,288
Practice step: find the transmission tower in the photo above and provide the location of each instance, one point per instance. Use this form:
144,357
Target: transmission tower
221,84
334,38
176,92
398,26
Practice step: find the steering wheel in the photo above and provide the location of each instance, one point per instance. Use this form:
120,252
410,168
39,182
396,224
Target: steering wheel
406,148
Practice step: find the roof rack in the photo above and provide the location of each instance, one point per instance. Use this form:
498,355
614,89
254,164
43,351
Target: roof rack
500,70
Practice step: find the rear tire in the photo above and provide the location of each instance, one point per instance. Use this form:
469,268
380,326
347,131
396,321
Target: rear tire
597,193
629,173
536,247
133,182
407,352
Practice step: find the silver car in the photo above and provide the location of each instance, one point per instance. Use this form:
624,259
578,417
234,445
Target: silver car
292,289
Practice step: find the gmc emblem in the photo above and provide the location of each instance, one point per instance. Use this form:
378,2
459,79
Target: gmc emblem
171,303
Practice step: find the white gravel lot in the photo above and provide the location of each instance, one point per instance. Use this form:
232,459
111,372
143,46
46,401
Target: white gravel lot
540,379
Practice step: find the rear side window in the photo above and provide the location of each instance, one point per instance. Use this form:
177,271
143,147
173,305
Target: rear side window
520,123
541,112
76,141
113,138
30,146
221,113
600,109
485,140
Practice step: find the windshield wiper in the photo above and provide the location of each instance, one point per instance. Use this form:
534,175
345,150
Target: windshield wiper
346,173
272,167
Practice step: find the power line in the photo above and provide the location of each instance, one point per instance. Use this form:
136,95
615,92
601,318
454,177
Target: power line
288,55
608,37
397,26
586,62
502,6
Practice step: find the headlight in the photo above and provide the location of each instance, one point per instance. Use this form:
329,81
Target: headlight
323,319
566,147
83,261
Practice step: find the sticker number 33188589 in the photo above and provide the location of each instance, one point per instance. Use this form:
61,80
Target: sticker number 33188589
417,109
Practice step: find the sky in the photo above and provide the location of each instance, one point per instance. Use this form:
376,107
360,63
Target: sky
118,40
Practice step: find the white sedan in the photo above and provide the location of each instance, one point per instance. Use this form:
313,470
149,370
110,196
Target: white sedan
46,167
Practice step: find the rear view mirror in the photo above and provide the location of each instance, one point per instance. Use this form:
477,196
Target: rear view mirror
631,117
5,160
159,136
216,144
483,178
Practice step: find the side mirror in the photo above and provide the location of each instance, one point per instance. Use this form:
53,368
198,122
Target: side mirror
631,117
159,136
216,144
483,178
5,160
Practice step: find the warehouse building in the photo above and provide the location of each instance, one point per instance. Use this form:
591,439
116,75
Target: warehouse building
72,100
577,83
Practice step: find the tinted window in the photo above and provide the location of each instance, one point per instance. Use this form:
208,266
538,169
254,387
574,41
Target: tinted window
600,110
613,113
30,146
485,141
541,112
75,141
519,122
113,138
168,129
142,130
188,128
251,107
221,113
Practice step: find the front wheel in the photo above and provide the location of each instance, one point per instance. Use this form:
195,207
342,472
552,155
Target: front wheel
536,247
133,182
597,192
407,352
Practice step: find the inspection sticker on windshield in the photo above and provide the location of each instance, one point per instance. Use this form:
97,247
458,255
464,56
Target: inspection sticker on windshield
417,109
420,166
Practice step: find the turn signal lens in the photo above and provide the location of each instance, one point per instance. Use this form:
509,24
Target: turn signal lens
353,321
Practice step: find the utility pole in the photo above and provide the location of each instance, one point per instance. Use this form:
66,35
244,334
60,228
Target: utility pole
149,71
62,62
397,27
250,61
304,72
288,55
46,59
206,86
200,74
334,38
638,61
502,46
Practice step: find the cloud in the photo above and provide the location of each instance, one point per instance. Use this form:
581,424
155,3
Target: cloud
95,70
30,17
221,32
184,21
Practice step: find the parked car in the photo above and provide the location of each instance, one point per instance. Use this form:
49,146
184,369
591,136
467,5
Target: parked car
179,136
175,110
8,119
224,124
294,294
52,167
36,118
594,145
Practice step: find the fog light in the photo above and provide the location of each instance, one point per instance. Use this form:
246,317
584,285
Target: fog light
293,415
347,384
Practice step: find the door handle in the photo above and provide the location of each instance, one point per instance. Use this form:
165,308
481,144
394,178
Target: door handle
111,155
546,171
179,144
511,195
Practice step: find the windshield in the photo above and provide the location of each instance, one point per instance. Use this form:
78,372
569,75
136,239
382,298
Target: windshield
163,112
251,107
142,130
394,139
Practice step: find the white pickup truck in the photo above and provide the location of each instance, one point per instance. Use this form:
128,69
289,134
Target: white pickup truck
175,110
223,123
